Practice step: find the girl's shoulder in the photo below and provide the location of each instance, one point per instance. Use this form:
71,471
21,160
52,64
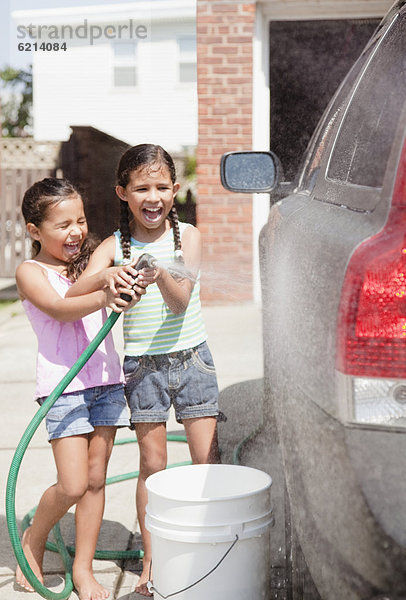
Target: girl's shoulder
183,226
189,232
188,229
30,268
192,246
31,277
109,242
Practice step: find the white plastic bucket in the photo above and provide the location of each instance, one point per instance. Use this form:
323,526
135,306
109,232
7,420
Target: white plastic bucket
203,515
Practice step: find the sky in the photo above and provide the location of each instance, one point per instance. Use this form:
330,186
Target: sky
9,55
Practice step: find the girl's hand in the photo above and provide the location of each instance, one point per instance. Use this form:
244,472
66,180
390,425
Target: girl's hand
176,286
147,276
124,276
117,303
114,301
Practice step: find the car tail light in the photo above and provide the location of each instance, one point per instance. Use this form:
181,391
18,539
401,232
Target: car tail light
371,334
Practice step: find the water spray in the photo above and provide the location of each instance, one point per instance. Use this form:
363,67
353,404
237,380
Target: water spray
178,270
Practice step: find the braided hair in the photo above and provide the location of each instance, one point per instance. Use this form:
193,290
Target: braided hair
140,156
37,200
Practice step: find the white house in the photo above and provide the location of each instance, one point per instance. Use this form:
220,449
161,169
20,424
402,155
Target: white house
126,69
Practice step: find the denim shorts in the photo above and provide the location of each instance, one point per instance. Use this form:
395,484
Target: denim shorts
185,379
78,413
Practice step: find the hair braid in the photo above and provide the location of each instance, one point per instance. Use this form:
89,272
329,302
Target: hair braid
125,239
174,219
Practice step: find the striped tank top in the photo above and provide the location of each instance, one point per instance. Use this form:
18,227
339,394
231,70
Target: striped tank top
150,327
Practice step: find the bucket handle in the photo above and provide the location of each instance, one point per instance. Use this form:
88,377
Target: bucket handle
151,587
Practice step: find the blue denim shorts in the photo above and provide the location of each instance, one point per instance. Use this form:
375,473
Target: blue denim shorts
78,413
185,379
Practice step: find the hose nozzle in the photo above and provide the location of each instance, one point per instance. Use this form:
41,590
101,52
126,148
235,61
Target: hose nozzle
145,260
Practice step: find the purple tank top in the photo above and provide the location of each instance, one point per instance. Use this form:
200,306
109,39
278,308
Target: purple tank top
60,344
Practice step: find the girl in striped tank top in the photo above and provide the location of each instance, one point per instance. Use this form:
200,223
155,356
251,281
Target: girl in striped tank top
167,361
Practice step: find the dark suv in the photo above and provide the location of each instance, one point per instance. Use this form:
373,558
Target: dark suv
333,268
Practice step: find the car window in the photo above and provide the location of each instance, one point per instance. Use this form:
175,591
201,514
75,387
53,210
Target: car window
363,144
321,137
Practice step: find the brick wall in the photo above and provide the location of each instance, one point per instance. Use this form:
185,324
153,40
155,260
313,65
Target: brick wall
224,44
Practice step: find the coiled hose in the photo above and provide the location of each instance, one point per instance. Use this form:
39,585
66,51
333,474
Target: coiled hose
15,467
65,552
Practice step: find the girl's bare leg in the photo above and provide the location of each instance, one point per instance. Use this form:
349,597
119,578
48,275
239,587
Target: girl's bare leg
89,514
201,435
152,445
70,455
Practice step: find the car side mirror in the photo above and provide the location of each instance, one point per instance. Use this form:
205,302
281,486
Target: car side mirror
252,172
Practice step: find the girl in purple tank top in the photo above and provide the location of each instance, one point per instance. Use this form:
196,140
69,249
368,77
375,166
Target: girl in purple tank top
82,423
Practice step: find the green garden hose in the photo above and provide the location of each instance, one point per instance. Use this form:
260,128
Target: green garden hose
16,463
64,551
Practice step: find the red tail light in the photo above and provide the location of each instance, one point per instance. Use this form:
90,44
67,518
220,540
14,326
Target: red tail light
371,336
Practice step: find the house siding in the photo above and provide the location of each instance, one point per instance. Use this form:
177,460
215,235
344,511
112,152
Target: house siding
76,87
